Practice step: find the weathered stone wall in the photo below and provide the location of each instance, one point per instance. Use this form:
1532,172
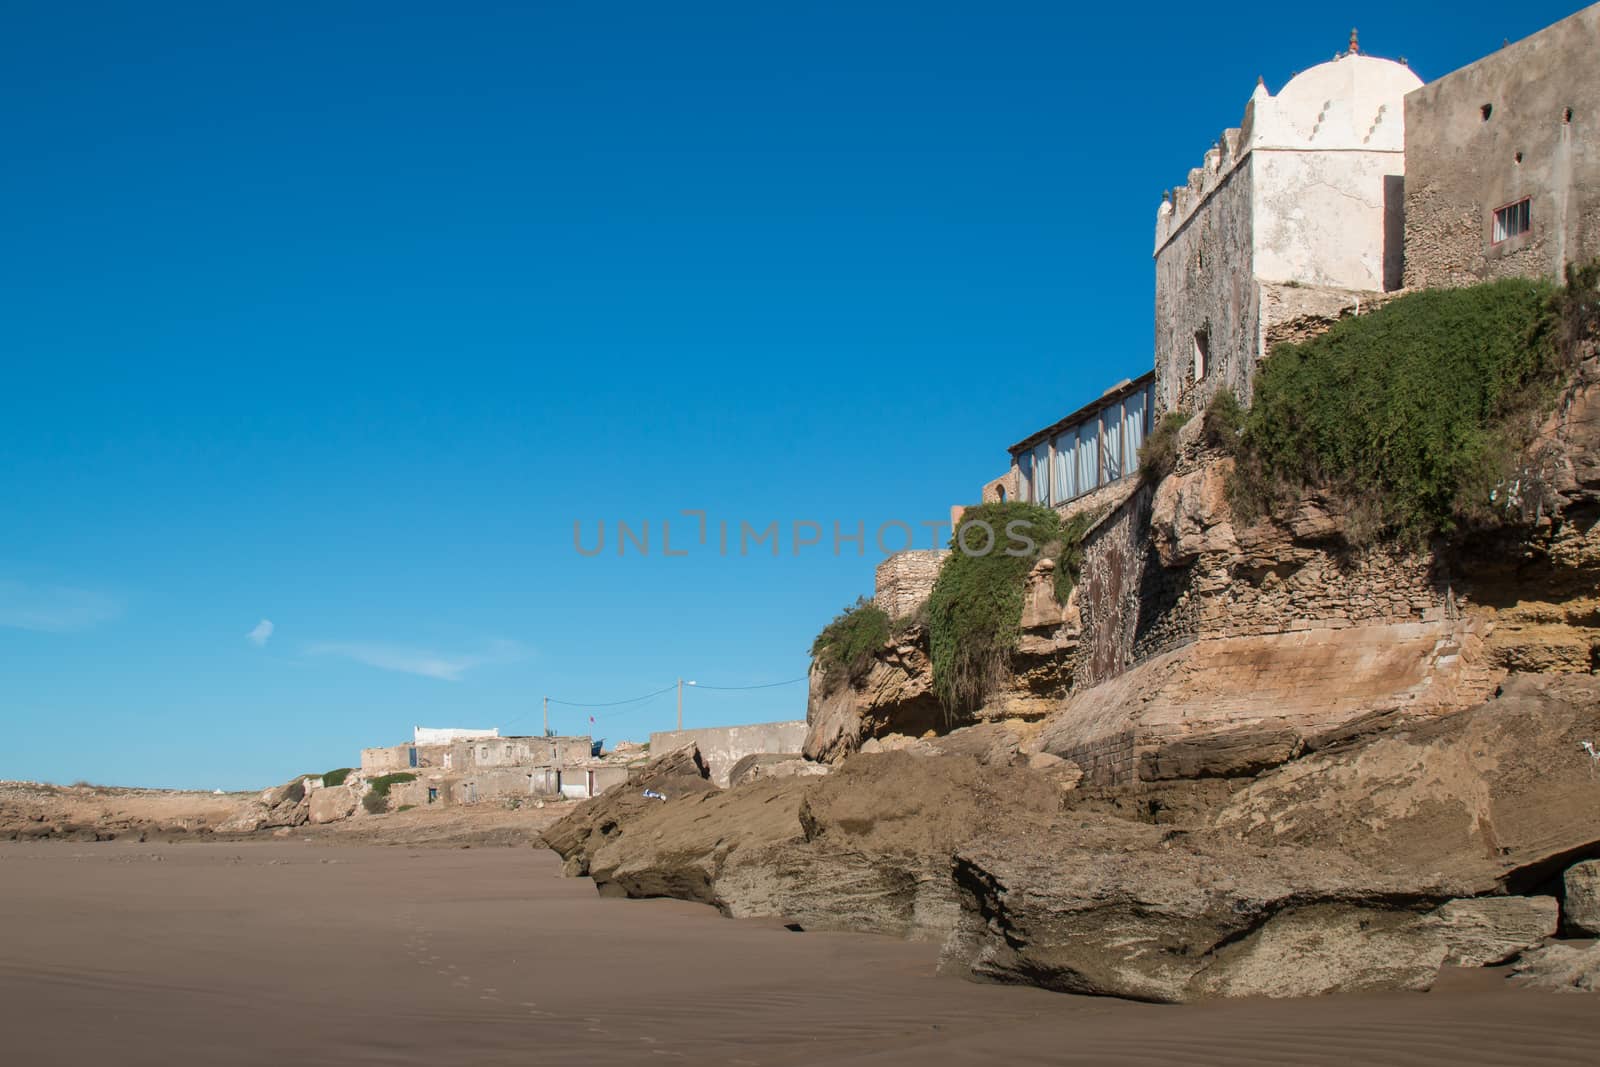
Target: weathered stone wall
1110,587
1006,487
1205,284
1296,313
1540,139
904,580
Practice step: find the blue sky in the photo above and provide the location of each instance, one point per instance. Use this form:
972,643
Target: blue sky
340,315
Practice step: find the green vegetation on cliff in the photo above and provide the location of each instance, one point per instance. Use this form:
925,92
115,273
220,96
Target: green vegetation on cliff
336,777
975,611
1160,451
1412,413
845,647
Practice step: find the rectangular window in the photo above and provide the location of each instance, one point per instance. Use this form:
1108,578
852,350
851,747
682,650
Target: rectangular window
1025,477
1062,477
1088,456
1513,219
1041,473
1133,416
1111,437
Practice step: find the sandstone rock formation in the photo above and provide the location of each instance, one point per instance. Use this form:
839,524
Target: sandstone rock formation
278,807
1581,903
1105,906
1501,796
1346,869
1484,931
896,695
332,803
1561,968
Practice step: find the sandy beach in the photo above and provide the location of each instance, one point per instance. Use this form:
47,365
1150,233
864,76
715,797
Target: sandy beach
295,952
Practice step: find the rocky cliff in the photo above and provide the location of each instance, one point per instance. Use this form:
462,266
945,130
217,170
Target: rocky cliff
1365,864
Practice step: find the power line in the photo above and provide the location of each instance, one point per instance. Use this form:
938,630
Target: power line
768,685
615,703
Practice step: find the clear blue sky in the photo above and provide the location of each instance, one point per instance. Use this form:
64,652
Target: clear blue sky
340,315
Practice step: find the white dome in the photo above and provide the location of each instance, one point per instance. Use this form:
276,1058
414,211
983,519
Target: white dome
1354,101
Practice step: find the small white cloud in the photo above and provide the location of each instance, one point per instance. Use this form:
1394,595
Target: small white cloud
53,608
261,634
446,666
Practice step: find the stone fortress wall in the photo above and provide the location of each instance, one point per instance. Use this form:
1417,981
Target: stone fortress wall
1522,123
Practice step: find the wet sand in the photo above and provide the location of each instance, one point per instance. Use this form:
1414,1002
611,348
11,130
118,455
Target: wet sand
286,952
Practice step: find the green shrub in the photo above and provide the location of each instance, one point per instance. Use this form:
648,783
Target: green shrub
337,777
1069,557
405,807
376,803
975,609
1223,421
1412,410
380,785
1160,452
845,647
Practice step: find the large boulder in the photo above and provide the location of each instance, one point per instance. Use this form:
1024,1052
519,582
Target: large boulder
1494,798
1562,968
1582,897
1107,906
331,805
674,775
1233,706
1484,931
1325,948
866,847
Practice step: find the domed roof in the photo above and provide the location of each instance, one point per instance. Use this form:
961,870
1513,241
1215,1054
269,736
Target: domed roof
1345,101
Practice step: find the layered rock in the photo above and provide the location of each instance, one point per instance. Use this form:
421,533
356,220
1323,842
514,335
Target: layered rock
1349,868
1560,968
1501,796
1231,706
1116,908
895,696
1484,931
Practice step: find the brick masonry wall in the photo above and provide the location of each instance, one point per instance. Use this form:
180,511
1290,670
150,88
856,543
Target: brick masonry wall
904,580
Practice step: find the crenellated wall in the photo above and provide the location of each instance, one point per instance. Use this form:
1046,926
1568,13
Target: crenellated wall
1306,192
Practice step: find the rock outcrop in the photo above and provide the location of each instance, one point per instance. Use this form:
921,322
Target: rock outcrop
1560,968
1115,908
1359,866
1484,931
896,695
278,807
1500,796
332,803
1581,898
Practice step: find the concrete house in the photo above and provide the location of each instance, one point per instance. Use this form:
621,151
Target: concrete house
1503,161
466,766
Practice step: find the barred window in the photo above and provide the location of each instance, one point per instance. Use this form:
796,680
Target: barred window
1511,220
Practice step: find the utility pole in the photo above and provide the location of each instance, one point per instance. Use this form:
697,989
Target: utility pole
547,716
680,703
